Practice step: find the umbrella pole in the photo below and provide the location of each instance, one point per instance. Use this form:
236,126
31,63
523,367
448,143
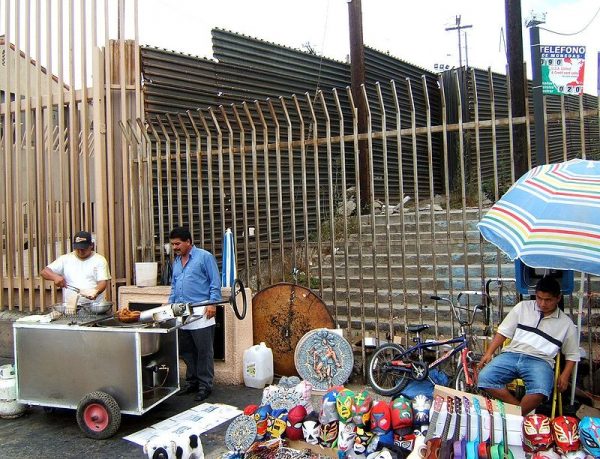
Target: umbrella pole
579,312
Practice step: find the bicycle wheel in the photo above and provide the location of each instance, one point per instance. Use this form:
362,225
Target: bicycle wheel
383,378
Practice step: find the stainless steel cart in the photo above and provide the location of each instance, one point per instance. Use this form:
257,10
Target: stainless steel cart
99,367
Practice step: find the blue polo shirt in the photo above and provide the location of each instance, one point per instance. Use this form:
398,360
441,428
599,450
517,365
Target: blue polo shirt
198,280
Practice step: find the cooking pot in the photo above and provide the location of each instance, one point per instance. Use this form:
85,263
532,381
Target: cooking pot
97,307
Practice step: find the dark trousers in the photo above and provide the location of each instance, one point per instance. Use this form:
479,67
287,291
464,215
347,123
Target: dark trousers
196,350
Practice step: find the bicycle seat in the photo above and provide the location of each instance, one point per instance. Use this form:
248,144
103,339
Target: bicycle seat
417,328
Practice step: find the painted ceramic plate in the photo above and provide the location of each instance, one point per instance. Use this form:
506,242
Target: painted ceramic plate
241,433
324,359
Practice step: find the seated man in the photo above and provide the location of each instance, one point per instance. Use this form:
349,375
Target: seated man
539,330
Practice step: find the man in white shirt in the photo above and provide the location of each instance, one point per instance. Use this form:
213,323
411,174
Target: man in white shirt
538,330
82,268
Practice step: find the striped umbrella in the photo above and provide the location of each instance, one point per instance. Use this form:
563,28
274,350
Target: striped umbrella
550,217
229,272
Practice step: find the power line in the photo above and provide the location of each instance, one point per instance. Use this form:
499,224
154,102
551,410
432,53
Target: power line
574,33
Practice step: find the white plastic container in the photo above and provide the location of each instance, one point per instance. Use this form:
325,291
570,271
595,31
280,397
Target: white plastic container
146,274
258,366
9,407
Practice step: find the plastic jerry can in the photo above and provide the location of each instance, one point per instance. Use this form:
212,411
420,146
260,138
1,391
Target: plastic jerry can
258,366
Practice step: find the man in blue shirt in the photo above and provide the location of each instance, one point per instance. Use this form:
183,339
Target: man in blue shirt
195,279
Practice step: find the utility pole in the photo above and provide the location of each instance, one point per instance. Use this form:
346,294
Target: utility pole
516,71
458,28
357,70
538,96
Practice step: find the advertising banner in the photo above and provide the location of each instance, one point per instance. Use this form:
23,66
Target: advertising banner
562,69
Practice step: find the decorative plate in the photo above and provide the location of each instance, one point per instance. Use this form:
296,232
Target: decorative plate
324,359
241,433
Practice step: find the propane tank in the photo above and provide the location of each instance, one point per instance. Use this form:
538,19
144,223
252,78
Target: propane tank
9,407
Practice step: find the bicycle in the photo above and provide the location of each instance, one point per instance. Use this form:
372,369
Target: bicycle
392,366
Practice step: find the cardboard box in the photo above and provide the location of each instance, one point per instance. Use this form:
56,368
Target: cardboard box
514,420
301,445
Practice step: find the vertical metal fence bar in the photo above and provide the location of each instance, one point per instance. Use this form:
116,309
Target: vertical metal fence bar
139,207
372,207
463,179
267,182
87,199
257,226
331,210
304,190
342,146
169,177
315,147
32,270
188,173
73,128
386,200
398,129
131,197
110,149
582,128
63,155
19,177
159,192
546,144
209,181
275,119
232,177
563,128
199,180
49,163
361,293
432,219
9,228
242,148
200,172
179,192
511,140
417,217
149,181
290,138
221,181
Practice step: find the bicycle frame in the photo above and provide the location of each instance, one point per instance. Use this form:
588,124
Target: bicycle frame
421,346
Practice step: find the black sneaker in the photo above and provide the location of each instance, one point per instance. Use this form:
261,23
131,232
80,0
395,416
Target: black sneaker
187,390
202,395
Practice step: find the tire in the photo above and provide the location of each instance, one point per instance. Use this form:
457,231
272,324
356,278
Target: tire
98,415
386,382
238,287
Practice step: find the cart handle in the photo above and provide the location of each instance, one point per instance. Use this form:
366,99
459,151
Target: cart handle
236,289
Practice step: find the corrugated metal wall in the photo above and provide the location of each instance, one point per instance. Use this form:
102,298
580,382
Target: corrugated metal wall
248,69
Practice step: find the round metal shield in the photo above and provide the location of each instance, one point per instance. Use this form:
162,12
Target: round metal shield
281,315
324,359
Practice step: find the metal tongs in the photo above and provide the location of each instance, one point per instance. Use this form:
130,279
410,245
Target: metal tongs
75,289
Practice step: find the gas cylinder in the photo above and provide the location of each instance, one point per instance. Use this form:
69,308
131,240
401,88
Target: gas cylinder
9,407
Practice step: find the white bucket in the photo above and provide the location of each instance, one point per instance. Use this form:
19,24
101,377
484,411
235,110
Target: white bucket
146,274
258,366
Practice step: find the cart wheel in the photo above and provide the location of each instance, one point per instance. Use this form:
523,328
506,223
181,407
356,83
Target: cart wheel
98,415
238,287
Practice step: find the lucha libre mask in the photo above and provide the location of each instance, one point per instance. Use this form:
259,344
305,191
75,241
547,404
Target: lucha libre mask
329,434
293,430
401,410
345,441
277,422
344,402
362,439
328,411
361,409
311,430
260,416
579,454
421,406
380,418
589,435
566,434
537,435
546,454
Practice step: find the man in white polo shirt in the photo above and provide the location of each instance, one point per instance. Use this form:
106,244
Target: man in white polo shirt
538,330
82,268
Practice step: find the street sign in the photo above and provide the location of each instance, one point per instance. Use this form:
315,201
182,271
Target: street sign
562,69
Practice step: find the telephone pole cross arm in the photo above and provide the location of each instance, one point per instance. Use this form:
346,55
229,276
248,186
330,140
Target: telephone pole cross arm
458,28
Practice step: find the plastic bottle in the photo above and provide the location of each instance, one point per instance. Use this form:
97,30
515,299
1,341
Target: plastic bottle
258,366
